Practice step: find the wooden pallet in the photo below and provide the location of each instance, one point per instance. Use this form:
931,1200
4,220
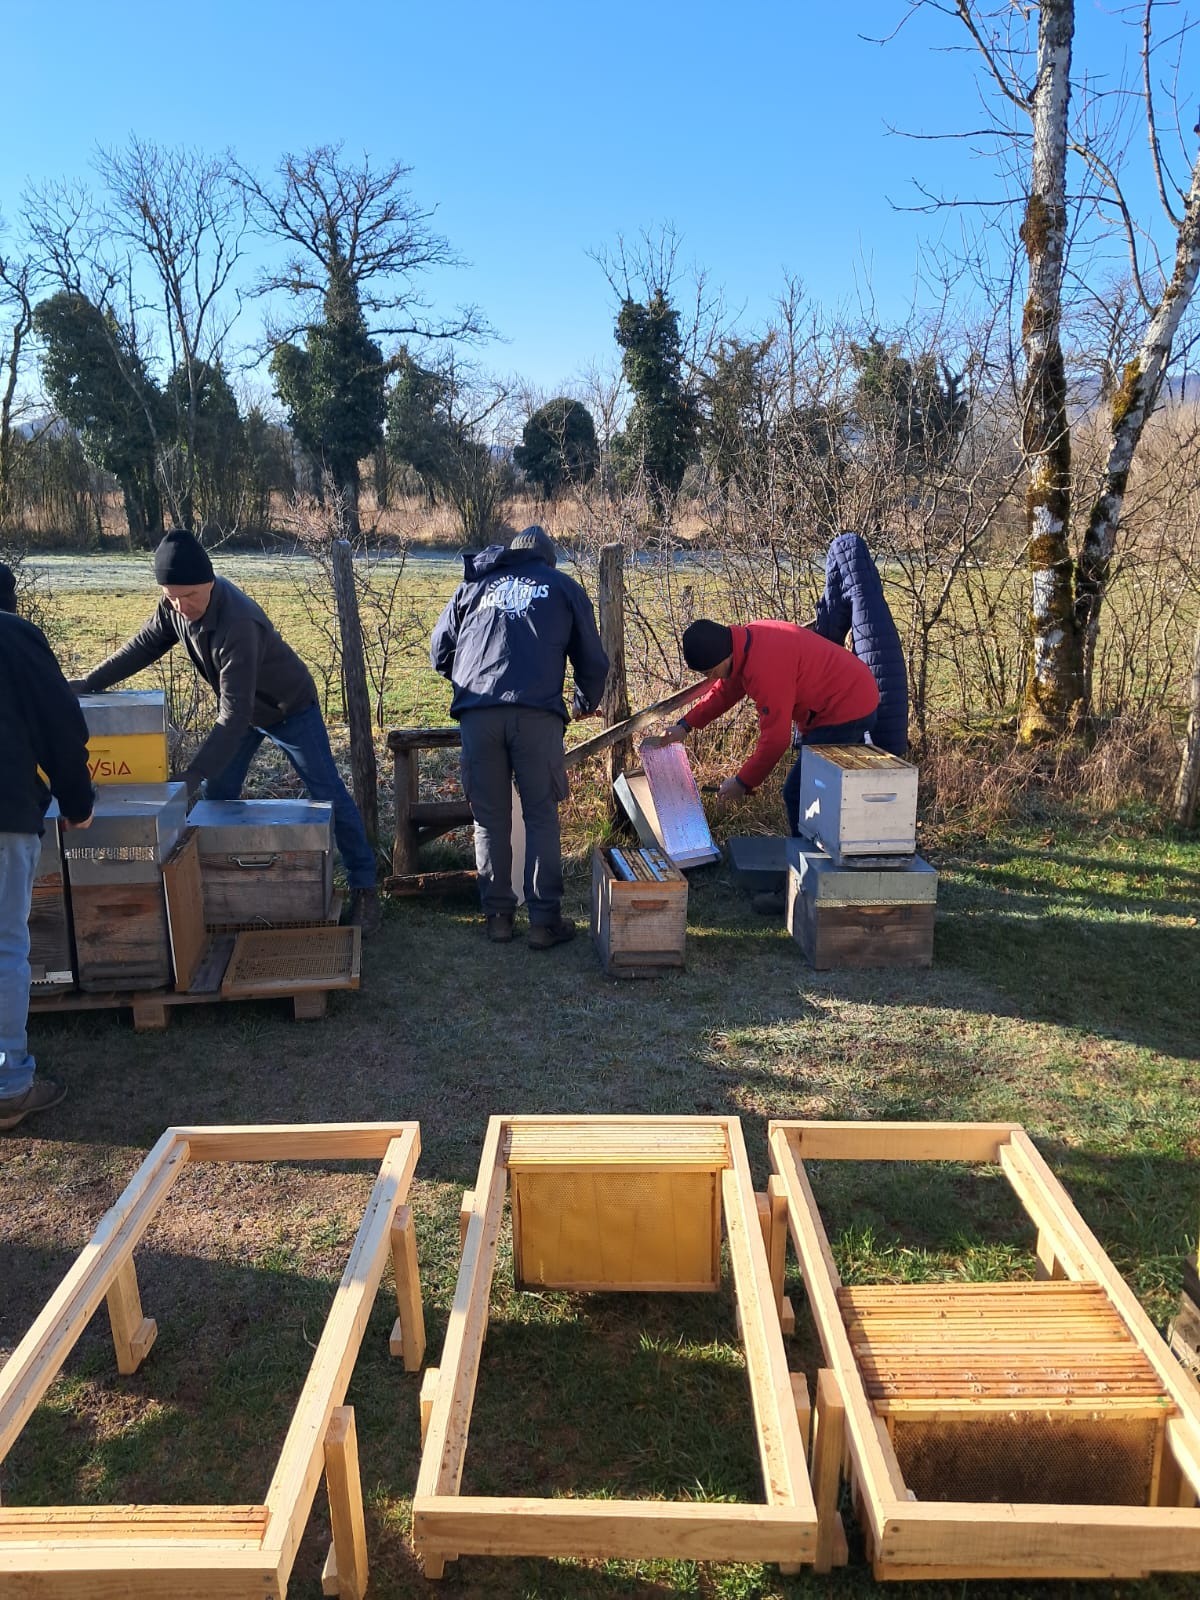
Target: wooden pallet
1021,1430
614,1203
242,1552
213,965
152,1008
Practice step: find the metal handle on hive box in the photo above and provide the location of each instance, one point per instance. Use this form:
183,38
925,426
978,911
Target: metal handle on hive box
254,863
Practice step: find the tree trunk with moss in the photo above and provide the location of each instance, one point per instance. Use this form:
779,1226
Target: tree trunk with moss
1131,409
1053,683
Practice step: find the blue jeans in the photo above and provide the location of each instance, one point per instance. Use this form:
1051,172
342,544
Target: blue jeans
19,854
305,742
836,733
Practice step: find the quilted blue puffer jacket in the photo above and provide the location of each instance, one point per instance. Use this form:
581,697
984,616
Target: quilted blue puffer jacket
853,604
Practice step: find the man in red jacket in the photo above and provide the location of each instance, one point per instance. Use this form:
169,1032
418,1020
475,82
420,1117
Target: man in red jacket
804,688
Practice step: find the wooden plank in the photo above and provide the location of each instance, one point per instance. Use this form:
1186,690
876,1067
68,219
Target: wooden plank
895,1141
1079,1541
641,719
777,1246
33,1365
294,1141
138,1572
432,882
630,1530
780,1449
133,1333
184,893
294,1483
408,1335
424,739
874,1461
1049,1204
446,1439
429,1385
134,1524
829,1437
349,1547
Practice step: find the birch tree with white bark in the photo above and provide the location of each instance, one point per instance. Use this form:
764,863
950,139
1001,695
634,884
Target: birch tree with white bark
1027,57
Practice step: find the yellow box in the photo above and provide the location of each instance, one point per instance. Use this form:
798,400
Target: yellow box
127,735
128,758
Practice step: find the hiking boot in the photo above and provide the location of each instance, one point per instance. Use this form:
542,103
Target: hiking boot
500,928
41,1094
545,935
770,903
365,912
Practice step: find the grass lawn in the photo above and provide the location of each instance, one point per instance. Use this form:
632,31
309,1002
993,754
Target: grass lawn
1063,996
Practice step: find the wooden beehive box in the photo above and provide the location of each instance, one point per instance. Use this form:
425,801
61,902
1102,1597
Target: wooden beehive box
856,800
843,916
51,964
265,862
1028,1429
638,925
114,870
614,1204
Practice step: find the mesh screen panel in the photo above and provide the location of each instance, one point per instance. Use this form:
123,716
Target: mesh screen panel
1031,1458
575,1228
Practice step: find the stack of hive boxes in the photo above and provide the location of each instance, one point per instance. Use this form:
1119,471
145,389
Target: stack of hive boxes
103,885
858,893
262,863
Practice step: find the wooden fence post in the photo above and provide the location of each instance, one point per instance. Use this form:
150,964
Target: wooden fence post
358,700
615,705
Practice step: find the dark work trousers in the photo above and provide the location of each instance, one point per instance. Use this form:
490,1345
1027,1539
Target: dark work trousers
500,745
836,733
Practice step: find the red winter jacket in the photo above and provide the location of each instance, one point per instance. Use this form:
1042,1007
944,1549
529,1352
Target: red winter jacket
793,676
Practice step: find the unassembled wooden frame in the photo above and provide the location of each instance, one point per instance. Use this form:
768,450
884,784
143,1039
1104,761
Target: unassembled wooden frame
615,1203
1043,1380
242,1552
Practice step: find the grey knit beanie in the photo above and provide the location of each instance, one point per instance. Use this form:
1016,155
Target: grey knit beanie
538,540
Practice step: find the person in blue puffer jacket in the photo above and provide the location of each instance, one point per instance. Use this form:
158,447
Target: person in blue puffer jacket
854,604
504,641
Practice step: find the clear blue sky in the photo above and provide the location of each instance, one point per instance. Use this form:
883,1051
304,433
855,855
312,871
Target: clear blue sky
540,132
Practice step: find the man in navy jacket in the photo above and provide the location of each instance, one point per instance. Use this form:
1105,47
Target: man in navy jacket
504,641
41,726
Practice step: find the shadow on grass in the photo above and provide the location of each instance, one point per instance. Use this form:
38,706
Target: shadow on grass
1127,979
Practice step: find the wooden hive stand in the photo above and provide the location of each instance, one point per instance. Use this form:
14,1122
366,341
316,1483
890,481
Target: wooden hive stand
1014,1430
614,1203
245,1552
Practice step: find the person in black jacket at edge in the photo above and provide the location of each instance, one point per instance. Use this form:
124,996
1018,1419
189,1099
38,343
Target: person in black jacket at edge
41,725
264,691
504,641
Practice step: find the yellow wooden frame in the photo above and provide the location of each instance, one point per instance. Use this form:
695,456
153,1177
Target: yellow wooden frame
446,1524
960,1539
215,1552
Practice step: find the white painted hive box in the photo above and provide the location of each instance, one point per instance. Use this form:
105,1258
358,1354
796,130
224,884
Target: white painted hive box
856,800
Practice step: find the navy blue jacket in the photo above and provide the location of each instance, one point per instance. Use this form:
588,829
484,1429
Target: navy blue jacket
41,725
854,604
508,632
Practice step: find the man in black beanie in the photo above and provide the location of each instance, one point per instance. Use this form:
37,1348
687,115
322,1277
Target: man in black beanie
264,691
42,731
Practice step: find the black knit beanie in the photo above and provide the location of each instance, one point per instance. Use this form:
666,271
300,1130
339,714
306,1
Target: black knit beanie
705,644
8,588
181,561
538,540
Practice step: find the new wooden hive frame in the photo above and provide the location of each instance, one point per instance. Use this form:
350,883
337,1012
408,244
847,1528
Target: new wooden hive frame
216,1552
962,1539
447,1523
